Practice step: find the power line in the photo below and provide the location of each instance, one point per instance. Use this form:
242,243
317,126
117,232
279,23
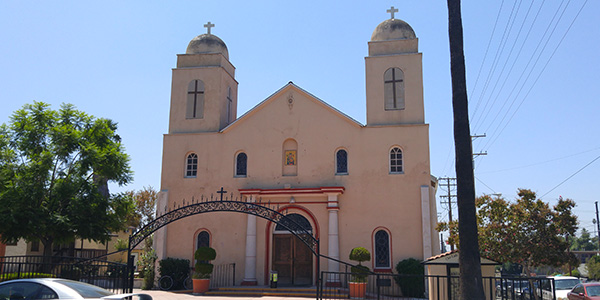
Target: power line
541,72
595,159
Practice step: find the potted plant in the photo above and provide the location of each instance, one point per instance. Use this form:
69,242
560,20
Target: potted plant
358,279
203,269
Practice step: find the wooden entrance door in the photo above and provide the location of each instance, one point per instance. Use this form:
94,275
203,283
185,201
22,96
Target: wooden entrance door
292,260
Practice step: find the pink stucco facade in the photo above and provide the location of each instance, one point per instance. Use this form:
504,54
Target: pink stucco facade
344,209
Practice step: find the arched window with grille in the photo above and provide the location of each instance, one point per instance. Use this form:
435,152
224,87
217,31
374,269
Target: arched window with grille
191,165
195,100
341,162
241,165
203,239
381,243
396,161
393,89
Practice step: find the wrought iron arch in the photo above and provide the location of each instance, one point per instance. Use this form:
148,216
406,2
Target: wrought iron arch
259,209
205,205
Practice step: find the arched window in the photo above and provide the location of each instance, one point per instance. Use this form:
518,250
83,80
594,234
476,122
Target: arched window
293,220
241,165
341,162
393,88
382,249
395,160
203,239
195,100
191,165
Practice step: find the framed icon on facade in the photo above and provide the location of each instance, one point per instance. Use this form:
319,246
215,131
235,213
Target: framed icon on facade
290,158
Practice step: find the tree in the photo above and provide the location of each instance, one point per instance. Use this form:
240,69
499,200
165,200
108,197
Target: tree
54,172
471,285
145,206
527,232
593,267
584,242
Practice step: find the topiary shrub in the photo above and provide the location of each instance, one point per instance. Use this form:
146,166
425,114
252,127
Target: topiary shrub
203,269
410,279
360,272
177,268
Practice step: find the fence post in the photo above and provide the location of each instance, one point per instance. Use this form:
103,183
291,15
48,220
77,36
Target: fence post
233,278
378,287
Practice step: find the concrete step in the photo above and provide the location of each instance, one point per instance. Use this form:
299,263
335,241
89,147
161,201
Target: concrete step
260,292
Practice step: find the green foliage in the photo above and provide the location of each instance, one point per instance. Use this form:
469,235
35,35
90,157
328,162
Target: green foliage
410,277
148,281
203,269
359,273
177,268
121,245
145,207
205,253
11,276
146,262
528,232
55,166
576,273
585,242
593,267
360,254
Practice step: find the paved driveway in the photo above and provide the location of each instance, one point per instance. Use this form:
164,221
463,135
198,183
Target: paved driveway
162,295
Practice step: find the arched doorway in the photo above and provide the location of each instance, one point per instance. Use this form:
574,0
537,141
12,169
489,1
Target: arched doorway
292,259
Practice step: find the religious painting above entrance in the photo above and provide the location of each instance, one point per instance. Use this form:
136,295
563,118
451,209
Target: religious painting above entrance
290,158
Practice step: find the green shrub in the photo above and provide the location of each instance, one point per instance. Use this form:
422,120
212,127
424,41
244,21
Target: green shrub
177,268
411,280
360,254
203,269
148,281
11,276
359,272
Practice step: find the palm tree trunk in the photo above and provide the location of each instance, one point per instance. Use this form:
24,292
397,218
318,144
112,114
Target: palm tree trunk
471,287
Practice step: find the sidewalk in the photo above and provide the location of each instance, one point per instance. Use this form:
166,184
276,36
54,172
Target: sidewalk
164,295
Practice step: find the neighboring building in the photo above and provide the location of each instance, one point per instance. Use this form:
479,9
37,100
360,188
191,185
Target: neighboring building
79,248
350,184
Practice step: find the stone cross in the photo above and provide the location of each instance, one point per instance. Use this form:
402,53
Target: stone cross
392,10
210,25
221,192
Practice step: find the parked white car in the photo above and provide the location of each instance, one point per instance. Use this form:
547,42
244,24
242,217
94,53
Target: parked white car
56,288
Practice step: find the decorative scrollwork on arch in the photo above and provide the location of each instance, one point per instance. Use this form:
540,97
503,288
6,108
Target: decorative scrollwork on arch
262,210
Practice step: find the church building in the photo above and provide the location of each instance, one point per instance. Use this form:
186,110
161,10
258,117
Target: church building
348,184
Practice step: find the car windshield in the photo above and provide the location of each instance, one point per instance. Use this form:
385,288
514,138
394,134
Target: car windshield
565,284
593,290
85,290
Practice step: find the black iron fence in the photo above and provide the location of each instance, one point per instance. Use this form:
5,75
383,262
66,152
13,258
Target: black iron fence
109,275
223,275
398,286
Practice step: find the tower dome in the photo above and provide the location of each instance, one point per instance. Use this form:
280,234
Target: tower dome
207,43
393,29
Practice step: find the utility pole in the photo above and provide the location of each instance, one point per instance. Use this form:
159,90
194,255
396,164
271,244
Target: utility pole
450,182
474,137
598,224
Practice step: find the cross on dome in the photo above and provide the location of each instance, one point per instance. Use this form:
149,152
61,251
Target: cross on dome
210,25
392,10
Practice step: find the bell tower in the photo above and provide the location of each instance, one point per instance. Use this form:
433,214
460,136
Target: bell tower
394,75
203,89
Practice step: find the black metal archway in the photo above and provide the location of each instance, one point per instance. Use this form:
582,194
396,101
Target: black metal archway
246,205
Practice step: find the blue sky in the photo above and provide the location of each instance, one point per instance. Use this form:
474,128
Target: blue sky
535,97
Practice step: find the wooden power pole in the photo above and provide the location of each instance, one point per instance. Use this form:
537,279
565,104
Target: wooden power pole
471,285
